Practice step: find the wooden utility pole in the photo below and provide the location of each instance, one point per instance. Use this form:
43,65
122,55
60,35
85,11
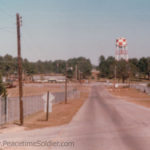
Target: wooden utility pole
18,20
66,85
76,72
47,111
79,76
115,76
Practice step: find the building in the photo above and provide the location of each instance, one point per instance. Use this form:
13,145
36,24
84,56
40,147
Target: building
48,78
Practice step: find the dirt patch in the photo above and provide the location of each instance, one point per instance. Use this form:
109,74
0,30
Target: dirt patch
38,89
131,95
62,113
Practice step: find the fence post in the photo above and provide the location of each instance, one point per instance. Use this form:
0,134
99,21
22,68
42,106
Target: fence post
0,111
5,99
47,112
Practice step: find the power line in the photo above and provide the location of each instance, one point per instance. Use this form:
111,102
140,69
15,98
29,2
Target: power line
9,16
28,42
7,29
1,28
4,9
5,13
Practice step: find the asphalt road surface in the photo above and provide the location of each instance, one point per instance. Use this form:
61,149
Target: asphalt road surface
103,123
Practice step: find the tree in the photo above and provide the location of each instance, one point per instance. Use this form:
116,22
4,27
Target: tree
29,67
148,67
106,66
9,65
122,70
133,67
3,92
103,66
134,61
111,62
143,65
84,66
70,72
59,66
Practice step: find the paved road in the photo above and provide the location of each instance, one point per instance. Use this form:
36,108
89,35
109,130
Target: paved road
103,123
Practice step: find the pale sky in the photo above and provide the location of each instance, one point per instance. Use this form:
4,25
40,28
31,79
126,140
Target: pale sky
62,29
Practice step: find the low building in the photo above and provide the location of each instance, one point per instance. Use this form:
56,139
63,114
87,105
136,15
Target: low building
48,78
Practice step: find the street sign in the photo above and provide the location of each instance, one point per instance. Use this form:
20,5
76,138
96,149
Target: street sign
51,98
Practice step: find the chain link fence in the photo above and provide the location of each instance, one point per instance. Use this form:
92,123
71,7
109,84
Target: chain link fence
9,108
141,87
3,110
59,96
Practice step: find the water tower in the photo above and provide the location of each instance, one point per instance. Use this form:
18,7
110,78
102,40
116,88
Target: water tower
121,49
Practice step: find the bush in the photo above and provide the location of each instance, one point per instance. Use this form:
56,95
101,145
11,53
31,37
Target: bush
3,91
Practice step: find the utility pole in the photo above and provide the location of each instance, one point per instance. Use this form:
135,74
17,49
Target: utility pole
129,72
57,68
115,75
47,111
66,85
76,72
18,20
79,76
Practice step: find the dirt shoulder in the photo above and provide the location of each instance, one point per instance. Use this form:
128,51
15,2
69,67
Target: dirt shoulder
62,113
131,95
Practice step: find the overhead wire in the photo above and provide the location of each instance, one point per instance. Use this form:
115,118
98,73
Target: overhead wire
4,9
4,12
26,41
3,26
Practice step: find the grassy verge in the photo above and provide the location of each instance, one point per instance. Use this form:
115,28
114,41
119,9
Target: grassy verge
131,95
62,113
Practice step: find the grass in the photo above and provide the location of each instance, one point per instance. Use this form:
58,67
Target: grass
148,85
132,95
62,113
144,103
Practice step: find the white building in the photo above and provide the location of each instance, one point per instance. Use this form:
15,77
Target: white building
48,78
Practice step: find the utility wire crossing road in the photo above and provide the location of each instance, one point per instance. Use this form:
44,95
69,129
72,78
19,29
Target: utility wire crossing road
103,123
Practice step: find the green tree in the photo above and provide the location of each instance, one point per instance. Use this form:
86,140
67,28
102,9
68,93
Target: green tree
122,70
143,66
103,66
111,62
148,67
133,67
59,66
84,66
3,92
106,66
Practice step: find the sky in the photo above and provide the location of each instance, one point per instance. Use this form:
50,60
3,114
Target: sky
63,29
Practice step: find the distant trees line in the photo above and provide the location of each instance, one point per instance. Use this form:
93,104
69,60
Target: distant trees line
133,69
8,65
108,67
